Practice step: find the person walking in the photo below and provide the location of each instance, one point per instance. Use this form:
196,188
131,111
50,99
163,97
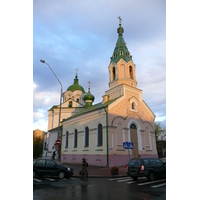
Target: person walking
84,169
54,153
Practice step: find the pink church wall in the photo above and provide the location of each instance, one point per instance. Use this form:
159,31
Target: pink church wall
93,160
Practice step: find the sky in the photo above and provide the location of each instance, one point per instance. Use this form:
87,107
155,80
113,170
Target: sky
82,34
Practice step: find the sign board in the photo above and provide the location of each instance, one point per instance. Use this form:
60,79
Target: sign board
58,142
128,145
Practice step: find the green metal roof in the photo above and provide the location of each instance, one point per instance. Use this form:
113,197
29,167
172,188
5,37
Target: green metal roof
121,50
92,108
75,86
53,107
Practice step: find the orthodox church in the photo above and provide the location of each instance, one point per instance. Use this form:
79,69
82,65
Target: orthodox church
97,132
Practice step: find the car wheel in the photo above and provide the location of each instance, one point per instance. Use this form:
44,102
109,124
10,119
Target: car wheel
34,173
135,178
151,176
61,174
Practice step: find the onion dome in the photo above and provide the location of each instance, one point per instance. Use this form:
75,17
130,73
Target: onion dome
88,98
75,86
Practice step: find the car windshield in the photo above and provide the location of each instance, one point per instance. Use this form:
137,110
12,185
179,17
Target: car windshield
135,162
57,162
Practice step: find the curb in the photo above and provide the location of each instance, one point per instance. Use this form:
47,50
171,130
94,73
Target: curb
101,176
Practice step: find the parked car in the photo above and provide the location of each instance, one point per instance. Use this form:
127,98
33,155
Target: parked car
163,159
151,168
52,168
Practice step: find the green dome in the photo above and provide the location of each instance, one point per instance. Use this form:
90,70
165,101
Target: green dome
75,86
89,96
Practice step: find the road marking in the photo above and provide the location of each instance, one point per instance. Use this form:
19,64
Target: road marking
124,180
151,182
142,178
50,179
37,180
131,182
114,179
155,186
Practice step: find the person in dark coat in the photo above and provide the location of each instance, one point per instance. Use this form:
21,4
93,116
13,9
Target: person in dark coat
84,168
54,153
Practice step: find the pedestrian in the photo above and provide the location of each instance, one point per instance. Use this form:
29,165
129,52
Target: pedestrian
84,169
54,155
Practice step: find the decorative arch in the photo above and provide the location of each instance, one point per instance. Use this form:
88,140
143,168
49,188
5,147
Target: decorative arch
119,135
133,121
147,136
134,138
131,72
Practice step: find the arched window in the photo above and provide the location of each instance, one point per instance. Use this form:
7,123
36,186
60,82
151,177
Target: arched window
133,106
70,104
133,126
131,72
114,75
86,137
100,136
75,138
77,100
66,139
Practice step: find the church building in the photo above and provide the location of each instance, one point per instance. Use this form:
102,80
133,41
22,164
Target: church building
97,131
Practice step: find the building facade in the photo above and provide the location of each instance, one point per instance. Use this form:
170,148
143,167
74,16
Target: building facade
97,132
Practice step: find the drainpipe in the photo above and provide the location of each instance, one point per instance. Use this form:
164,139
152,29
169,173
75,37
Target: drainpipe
107,133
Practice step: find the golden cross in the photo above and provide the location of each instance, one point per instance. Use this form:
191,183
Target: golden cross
89,83
120,19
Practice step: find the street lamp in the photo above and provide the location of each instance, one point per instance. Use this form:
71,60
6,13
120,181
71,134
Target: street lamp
43,61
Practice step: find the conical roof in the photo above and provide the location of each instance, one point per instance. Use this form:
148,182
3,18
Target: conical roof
121,50
75,86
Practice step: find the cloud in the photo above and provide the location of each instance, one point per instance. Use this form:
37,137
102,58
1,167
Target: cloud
77,34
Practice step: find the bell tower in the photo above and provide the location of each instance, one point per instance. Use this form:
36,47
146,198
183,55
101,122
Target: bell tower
121,68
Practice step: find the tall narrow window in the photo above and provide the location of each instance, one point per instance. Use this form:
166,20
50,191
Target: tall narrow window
75,138
114,75
86,137
100,135
66,141
131,72
70,104
133,106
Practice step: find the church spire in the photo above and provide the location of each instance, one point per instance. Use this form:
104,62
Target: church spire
121,50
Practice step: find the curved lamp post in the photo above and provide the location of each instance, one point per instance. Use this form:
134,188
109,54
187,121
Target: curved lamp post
43,61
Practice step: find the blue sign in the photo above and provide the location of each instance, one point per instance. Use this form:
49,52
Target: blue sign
128,145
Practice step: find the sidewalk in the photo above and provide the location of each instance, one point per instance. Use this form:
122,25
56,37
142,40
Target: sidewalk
95,171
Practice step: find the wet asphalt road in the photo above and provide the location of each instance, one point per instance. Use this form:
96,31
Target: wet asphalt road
99,189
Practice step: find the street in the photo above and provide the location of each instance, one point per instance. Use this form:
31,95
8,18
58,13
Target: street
98,188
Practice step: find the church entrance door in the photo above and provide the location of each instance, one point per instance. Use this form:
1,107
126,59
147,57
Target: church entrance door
134,139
